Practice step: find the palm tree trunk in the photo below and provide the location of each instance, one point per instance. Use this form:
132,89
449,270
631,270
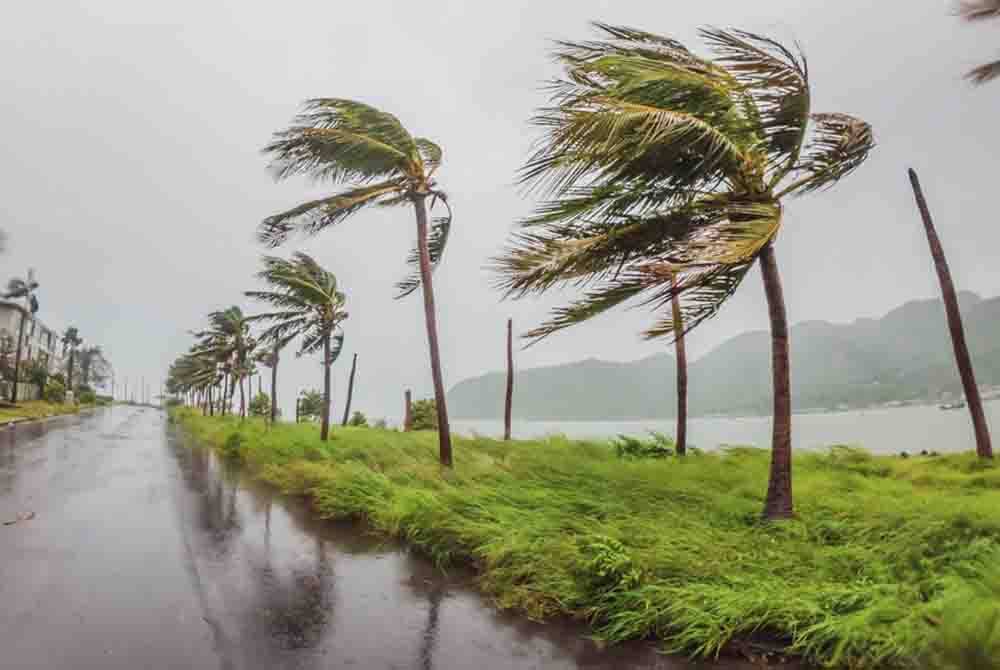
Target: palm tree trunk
984,448
444,430
350,389
225,391
779,488
274,387
324,431
69,374
243,399
211,402
408,411
17,359
508,401
682,374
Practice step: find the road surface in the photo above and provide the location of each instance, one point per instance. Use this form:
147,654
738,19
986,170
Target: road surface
135,550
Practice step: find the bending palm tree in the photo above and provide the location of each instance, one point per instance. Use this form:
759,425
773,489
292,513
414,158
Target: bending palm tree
21,289
379,163
308,304
228,341
975,11
667,171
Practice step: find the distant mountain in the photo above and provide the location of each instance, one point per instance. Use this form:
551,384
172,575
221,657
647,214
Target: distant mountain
904,356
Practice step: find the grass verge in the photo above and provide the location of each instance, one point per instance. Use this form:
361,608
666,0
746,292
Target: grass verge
38,409
882,554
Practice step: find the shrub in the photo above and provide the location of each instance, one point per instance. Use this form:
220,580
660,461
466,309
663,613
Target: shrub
658,446
260,405
358,419
37,373
380,424
425,415
54,391
86,396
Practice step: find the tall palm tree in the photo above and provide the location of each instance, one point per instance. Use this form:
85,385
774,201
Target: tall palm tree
975,11
666,172
680,359
70,341
21,289
307,304
379,163
963,360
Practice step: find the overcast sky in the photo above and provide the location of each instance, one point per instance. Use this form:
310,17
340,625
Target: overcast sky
132,177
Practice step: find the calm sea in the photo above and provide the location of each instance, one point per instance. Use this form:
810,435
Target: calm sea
879,430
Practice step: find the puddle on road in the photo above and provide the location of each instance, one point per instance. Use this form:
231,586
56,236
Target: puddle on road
283,590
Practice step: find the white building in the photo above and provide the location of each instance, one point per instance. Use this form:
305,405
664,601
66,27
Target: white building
40,342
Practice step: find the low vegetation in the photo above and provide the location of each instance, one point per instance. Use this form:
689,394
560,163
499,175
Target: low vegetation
37,409
879,568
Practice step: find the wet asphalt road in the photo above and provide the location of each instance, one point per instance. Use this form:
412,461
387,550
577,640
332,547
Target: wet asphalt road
147,553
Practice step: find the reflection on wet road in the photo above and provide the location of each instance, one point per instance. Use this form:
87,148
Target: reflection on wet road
146,552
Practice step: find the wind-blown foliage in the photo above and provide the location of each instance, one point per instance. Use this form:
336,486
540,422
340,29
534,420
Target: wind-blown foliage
975,11
307,304
659,161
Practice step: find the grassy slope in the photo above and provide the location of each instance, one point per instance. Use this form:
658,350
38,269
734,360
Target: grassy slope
37,409
671,549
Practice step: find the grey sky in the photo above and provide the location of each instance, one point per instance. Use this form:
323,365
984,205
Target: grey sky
133,182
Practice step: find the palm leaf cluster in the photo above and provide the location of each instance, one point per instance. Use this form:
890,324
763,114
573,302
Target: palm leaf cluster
374,159
975,11
657,162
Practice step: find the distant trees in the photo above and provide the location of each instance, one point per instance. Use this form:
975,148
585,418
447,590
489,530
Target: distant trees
424,415
666,173
311,405
306,304
378,162
21,289
70,341
94,366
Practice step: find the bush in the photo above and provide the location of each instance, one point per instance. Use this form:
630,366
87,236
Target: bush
358,419
54,391
36,373
260,405
174,402
380,424
658,446
425,415
86,397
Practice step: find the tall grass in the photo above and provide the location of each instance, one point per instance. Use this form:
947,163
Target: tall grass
880,553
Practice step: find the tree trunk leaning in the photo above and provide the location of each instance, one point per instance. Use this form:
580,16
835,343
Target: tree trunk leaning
274,387
682,375
779,488
444,430
984,447
408,412
324,431
508,401
350,390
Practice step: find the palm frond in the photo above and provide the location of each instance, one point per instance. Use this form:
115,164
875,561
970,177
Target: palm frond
430,153
978,10
342,140
777,81
437,240
838,145
984,73
316,215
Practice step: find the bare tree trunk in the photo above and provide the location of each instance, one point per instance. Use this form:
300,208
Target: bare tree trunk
510,380
324,431
274,386
444,430
243,399
984,448
225,394
408,412
682,374
211,402
69,374
17,360
350,389
779,488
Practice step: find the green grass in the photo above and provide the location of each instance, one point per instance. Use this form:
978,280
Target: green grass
881,550
37,409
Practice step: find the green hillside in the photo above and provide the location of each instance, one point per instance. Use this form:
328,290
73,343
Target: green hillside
906,355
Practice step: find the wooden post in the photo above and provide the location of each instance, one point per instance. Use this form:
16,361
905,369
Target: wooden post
510,379
350,390
408,416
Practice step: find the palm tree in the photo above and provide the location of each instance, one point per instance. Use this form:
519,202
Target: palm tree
195,372
975,11
350,390
962,359
379,163
271,359
309,305
509,395
666,172
21,289
228,341
70,341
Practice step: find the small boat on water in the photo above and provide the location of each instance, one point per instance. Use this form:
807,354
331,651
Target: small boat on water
952,405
